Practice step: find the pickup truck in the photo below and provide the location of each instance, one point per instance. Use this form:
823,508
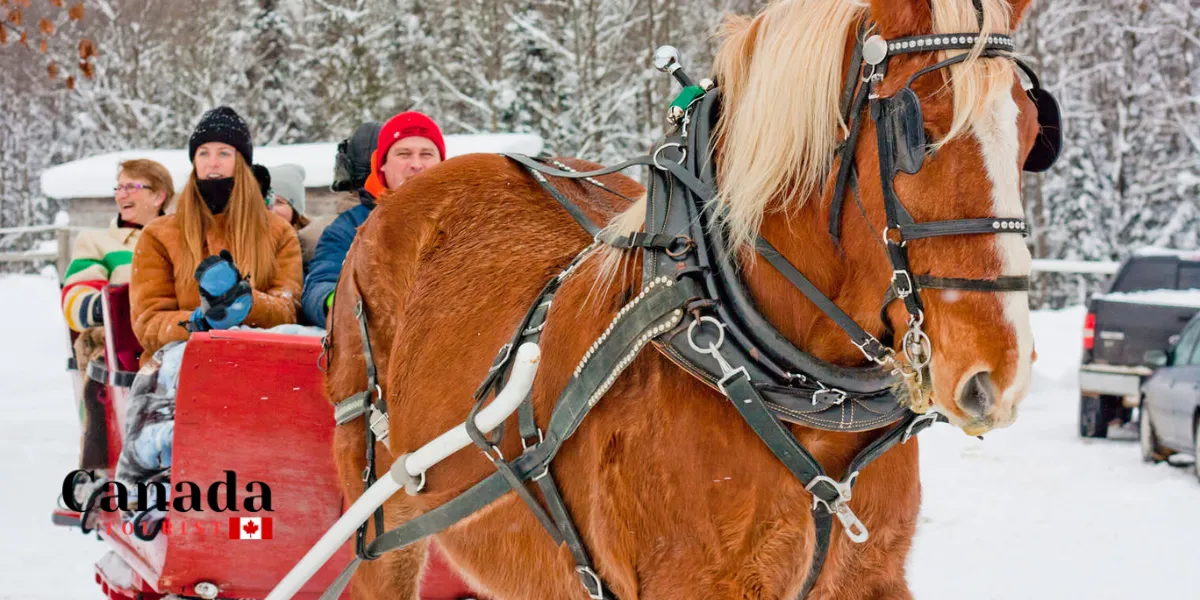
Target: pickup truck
1144,308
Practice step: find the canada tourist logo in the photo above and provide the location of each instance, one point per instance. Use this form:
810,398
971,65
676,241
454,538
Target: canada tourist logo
160,499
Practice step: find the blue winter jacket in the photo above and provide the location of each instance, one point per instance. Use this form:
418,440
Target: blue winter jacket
327,259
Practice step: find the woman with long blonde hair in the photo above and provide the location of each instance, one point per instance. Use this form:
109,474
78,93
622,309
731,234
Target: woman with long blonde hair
223,259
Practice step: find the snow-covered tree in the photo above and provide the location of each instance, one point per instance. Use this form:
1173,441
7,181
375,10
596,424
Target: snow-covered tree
576,72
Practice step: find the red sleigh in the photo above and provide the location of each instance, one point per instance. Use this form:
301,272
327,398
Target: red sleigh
248,402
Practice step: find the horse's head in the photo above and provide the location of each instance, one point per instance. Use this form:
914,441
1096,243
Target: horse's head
953,139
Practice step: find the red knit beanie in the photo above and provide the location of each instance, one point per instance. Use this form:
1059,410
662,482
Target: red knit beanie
405,125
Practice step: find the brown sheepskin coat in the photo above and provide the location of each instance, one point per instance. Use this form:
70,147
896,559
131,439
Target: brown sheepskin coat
161,296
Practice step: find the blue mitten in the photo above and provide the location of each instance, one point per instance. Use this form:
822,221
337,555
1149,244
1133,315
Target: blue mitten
225,294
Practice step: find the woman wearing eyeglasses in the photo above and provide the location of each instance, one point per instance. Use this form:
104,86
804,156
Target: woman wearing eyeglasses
103,256
144,189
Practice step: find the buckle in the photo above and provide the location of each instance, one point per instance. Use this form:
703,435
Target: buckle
499,457
829,396
501,357
840,506
878,353
730,374
902,282
525,445
930,416
585,574
378,422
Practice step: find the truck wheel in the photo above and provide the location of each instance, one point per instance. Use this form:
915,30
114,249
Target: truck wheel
1093,417
1152,452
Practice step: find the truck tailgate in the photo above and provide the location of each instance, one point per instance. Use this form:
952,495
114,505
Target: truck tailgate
1127,325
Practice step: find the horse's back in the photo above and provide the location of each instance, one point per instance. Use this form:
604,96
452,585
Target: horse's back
461,252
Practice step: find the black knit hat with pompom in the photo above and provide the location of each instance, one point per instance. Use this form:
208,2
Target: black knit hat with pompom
222,124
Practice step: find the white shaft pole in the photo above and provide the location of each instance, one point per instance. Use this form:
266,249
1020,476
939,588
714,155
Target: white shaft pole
490,417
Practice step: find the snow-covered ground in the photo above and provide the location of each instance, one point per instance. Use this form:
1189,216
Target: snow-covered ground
1030,513
39,445
1034,512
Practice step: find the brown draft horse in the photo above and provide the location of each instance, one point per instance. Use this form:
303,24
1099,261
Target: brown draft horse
672,492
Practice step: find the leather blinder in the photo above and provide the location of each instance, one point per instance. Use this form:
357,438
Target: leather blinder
908,131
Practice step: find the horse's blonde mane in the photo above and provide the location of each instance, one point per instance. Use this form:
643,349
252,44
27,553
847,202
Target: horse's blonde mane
781,80
781,75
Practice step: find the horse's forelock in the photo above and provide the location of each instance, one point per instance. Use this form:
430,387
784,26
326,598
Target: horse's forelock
975,83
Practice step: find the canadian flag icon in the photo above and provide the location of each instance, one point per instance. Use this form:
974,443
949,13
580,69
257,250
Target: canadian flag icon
250,528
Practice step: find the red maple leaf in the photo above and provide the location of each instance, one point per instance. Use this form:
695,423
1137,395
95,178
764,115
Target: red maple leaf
250,527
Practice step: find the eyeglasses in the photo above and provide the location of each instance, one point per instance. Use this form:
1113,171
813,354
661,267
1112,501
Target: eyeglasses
130,188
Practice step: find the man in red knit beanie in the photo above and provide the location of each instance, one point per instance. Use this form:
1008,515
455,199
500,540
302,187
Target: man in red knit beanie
409,143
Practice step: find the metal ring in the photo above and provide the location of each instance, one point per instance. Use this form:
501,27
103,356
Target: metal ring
687,243
712,348
917,338
682,150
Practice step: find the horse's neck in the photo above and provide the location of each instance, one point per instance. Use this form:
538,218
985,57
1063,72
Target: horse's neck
802,237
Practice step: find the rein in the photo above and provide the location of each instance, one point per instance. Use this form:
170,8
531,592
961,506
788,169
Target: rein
694,309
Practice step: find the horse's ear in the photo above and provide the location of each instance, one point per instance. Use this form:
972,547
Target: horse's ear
897,18
1019,8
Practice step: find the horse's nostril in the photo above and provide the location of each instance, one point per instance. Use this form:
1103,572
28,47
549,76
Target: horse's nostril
978,395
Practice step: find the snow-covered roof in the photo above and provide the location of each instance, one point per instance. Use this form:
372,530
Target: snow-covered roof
95,176
1182,298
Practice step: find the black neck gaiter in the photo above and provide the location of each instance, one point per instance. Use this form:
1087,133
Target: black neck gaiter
215,193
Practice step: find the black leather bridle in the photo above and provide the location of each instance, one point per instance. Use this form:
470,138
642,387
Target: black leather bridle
900,139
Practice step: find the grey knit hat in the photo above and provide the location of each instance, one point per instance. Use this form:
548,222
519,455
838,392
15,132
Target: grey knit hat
288,182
